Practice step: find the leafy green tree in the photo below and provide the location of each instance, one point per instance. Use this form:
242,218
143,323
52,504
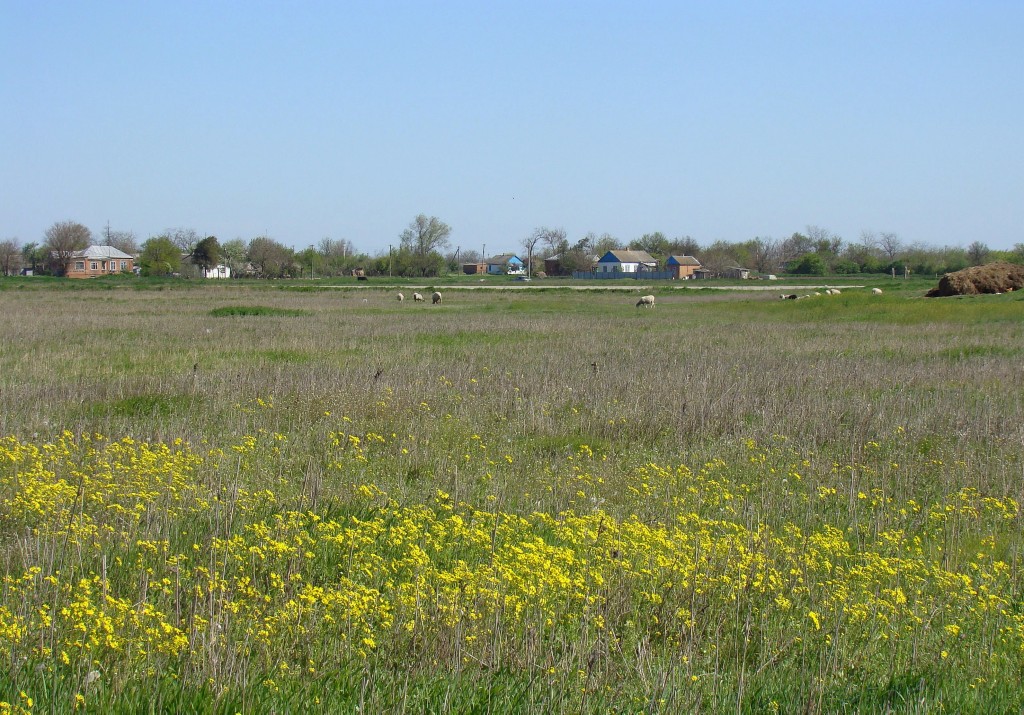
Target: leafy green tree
654,243
233,254
604,243
160,257
810,264
206,254
34,256
684,246
978,252
421,243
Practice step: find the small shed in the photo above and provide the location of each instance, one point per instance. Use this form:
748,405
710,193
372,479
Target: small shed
737,272
472,269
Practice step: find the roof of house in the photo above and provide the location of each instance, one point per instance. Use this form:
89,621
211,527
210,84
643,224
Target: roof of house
627,257
683,261
504,258
100,253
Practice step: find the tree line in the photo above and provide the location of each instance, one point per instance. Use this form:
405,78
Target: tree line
424,250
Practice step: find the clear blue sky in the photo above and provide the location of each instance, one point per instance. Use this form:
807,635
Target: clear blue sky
714,120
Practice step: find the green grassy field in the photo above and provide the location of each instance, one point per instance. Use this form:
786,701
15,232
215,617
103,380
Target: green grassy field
286,497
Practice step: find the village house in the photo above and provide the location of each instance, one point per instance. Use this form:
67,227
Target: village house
98,261
682,267
506,263
626,262
218,271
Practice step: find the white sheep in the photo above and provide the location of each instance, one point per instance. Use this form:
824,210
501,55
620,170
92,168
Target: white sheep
876,291
417,298
435,298
646,301
401,297
835,291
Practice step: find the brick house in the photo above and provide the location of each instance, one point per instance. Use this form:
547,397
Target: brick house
682,267
98,261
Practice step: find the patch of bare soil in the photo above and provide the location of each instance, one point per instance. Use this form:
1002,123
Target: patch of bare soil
997,277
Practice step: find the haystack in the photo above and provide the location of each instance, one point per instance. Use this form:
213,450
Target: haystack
999,277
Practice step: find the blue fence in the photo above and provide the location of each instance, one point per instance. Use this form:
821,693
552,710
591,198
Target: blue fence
639,275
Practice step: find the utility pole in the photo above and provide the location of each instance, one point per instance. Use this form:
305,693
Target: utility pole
389,260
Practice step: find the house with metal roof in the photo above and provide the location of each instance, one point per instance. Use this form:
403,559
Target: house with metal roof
99,261
626,262
505,263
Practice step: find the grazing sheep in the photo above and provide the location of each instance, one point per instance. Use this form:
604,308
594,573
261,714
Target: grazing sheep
435,298
788,296
876,291
417,298
835,291
646,301
401,297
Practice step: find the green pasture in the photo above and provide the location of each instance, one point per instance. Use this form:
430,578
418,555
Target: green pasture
830,412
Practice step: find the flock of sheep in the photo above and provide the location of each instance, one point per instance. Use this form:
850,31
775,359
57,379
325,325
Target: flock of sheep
828,291
435,298
646,301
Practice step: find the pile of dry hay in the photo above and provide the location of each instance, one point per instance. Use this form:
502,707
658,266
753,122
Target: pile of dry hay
997,277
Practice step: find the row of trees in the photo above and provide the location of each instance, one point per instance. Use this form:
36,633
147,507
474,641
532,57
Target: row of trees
816,251
422,251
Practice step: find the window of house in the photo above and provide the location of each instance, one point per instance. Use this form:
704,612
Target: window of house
92,265
124,265
79,265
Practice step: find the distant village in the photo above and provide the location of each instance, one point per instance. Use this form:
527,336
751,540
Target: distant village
425,250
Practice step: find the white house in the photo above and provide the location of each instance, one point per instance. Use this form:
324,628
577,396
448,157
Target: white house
218,271
626,262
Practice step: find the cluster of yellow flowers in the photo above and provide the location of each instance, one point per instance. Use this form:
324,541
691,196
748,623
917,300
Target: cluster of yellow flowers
126,555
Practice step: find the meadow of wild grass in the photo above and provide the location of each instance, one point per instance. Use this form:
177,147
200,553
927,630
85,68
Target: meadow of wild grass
271,499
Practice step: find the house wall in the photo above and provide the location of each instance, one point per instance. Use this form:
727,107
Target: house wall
612,266
682,272
93,267
217,272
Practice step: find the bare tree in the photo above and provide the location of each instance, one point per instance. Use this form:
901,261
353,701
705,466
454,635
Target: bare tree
10,257
764,254
121,240
270,258
184,238
553,238
890,245
555,241
794,247
62,240
331,248
869,241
